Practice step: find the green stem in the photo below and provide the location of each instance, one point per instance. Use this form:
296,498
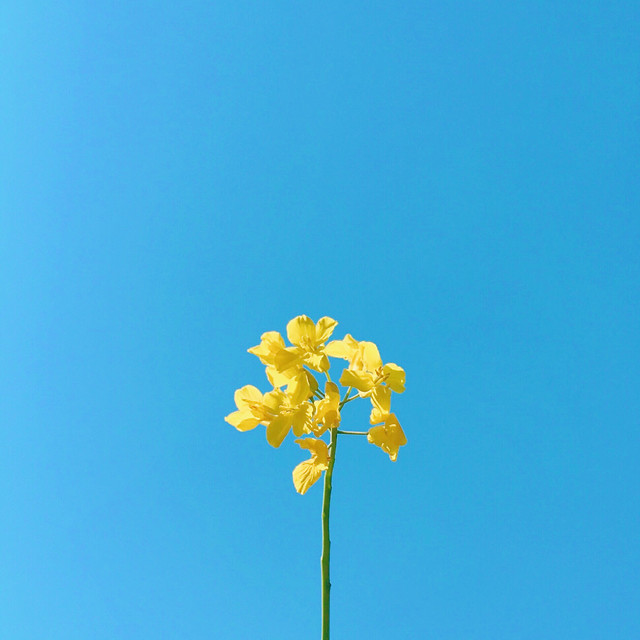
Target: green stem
354,433
347,398
326,542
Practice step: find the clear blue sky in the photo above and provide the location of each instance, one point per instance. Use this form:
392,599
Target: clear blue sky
457,182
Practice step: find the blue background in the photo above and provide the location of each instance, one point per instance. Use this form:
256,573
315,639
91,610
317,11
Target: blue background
457,182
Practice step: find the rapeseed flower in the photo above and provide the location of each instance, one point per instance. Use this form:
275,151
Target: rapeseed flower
308,340
389,436
274,409
254,408
365,371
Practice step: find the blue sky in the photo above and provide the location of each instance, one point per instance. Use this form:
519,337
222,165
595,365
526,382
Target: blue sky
457,182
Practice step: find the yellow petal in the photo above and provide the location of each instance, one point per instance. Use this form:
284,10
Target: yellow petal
270,343
370,356
301,331
306,474
246,396
318,429
394,377
287,358
301,420
381,401
313,383
280,378
277,430
317,447
342,348
309,471
242,420
299,389
273,400
332,394
317,361
324,328
327,414
360,380
389,437
331,419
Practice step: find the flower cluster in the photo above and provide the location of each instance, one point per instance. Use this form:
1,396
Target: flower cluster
297,404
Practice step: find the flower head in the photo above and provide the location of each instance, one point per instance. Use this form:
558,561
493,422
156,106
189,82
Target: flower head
296,403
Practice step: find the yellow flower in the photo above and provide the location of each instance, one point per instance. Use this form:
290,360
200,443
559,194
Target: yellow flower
308,339
389,437
309,471
365,371
302,332
362,355
327,410
271,343
252,409
291,415
275,409
394,377
300,383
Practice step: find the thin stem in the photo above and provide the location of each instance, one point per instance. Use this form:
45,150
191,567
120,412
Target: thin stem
354,433
326,542
346,398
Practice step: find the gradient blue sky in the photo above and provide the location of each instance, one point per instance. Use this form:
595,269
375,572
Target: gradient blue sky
456,181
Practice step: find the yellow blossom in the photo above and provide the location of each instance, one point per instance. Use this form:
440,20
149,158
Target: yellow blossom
291,415
362,355
389,437
253,408
309,471
327,413
300,383
302,332
275,409
291,405
271,342
365,371
308,339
